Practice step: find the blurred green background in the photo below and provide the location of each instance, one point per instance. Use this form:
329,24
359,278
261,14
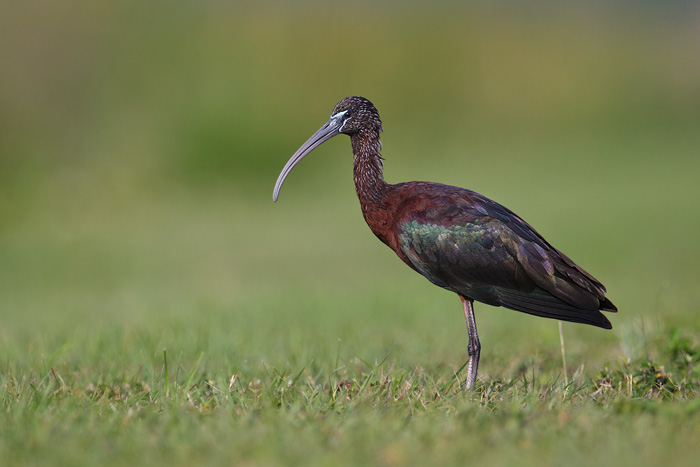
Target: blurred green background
139,145
140,141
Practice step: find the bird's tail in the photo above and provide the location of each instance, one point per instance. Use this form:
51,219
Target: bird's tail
542,303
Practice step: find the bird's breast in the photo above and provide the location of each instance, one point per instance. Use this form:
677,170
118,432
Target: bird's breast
378,220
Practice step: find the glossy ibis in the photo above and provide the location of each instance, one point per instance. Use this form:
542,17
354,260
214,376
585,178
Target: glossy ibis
459,239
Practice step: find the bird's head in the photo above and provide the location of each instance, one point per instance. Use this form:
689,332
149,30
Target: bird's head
357,114
350,116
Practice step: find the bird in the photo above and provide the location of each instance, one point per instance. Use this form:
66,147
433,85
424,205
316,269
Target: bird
458,239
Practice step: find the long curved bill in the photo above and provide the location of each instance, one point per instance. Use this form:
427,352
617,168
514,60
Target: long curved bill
331,128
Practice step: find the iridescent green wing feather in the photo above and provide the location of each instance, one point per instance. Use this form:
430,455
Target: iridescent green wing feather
473,246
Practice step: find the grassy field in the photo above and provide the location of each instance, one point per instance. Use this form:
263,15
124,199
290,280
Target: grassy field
157,308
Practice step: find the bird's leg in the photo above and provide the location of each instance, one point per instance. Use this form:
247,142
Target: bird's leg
474,347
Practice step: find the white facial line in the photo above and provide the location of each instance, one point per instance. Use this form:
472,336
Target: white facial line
346,121
339,114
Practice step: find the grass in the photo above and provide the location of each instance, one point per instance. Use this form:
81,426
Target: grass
157,308
210,408
150,344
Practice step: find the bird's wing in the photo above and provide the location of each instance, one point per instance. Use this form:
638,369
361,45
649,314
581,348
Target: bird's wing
461,251
474,246
546,266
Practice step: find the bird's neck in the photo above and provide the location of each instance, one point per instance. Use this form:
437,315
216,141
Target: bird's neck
367,170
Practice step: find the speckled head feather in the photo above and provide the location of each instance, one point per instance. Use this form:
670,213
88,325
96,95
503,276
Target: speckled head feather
361,115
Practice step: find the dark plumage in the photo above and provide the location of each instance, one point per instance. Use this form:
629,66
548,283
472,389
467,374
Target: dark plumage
459,239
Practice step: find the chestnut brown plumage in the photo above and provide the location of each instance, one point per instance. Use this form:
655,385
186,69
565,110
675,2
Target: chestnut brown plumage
459,239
